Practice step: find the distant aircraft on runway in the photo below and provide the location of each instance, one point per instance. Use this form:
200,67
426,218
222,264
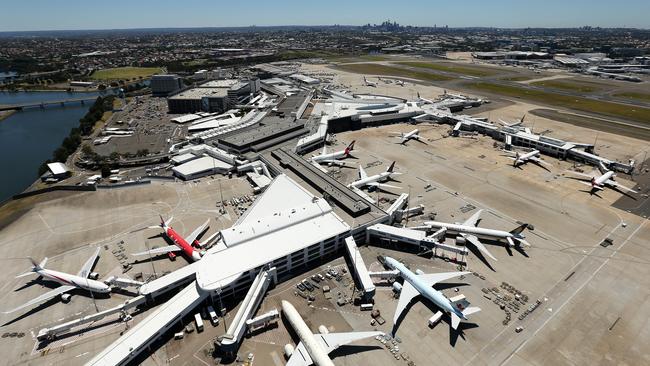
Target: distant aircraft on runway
68,281
469,232
313,349
606,179
421,284
369,83
332,158
187,245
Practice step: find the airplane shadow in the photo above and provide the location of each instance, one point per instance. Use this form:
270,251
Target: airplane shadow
480,256
41,306
350,349
454,334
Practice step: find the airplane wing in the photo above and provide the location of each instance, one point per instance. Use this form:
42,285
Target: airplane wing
362,173
300,357
620,186
162,250
46,296
195,234
477,243
473,220
88,266
406,295
320,167
382,185
581,174
332,341
433,278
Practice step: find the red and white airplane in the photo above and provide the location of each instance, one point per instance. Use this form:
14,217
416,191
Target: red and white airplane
187,245
529,157
332,158
606,179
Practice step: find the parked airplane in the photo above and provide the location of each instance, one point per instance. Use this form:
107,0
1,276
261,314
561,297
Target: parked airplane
421,284
399,82
606,179
406,137
332,158
529,157
374,181
469,232
369,83
313,349
186,245
68,281
514,124
424,100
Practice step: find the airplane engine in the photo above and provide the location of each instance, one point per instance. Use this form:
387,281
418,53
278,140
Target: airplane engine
171,256
93,275
288,350
323,329
66,298
397,287
460,240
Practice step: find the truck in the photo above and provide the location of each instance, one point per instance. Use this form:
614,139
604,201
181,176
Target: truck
199,322
213,316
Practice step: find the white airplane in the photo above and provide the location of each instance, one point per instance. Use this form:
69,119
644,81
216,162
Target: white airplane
421,284
406,137
529,157
469,232
332,158
369,83
606,179
399,82
313,349
68,281
514,124
424,100
374,181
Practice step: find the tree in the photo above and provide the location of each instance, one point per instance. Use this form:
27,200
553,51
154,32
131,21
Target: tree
87,150
115,156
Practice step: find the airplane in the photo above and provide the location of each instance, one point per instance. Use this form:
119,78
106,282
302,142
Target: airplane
424,100
421,284
186,245
606,179
529,157
469,232
374,181
399,82
332,158
369,83
515,124
68,281
313,349
406,137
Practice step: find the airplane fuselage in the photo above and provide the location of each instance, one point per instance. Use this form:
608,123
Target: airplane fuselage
180,242
315,351
381,177
479,232
73,280
525,157
332,156
423,288
600,181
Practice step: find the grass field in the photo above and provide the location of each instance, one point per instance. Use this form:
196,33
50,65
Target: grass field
633,95
518,78
376,69
125,73
456,69
582,104
570,85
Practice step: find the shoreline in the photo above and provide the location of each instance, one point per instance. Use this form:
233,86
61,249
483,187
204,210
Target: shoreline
6,114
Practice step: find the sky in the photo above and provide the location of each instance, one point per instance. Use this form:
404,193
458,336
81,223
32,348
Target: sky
26,15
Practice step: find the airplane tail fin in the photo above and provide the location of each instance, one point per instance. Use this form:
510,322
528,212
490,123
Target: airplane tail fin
391,167
35,267
42,264
522,118
519,229
350,147
164,223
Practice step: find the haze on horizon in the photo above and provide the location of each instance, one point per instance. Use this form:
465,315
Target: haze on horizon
34,15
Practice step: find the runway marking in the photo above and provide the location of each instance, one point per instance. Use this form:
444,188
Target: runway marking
575,292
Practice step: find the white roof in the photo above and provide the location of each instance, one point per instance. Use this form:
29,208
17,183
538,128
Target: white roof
285,219
199,165
57,168
186,118
182,158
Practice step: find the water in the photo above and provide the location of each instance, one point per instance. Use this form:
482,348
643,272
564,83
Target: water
27,138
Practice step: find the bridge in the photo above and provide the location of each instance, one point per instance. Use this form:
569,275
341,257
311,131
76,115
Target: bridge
61,102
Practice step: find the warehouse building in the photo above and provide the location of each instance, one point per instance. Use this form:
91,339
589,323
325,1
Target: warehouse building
200,167
163,85
215,96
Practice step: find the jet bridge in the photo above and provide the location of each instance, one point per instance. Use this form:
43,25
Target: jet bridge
360,268
229,342
414,238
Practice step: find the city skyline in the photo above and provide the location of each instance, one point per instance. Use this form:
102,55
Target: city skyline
76,15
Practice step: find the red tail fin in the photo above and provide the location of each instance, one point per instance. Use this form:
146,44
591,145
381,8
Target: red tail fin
350,147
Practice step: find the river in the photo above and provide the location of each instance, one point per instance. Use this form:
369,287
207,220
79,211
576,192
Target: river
27,138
